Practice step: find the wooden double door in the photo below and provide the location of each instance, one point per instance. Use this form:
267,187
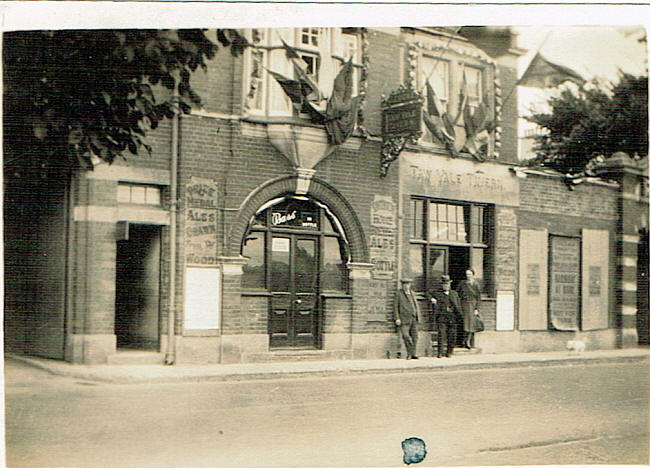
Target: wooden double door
294,320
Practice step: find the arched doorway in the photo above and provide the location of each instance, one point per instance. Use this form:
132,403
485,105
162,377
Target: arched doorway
296,249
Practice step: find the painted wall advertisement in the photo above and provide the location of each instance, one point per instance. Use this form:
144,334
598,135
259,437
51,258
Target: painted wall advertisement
383,214
201,216
565,282
383,247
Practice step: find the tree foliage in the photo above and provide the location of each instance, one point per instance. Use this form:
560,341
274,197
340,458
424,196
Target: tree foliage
593,122
71,94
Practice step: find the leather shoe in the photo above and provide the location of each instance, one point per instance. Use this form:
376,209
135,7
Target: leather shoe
414,357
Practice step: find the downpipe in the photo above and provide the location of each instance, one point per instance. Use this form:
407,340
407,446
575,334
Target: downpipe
170,355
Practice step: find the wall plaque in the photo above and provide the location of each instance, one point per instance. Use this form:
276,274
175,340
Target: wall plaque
564,282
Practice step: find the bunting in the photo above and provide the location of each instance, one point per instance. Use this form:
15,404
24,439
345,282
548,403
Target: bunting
438,121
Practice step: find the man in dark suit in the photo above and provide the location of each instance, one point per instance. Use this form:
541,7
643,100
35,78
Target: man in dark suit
407,317
447,314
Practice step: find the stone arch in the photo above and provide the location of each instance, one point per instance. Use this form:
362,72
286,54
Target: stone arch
318,190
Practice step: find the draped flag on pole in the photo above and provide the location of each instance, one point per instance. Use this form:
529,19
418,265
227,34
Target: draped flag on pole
436,119
542,73
300,69
462,102
341,112
478,126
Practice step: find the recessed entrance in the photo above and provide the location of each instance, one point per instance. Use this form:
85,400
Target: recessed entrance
137,288
296,251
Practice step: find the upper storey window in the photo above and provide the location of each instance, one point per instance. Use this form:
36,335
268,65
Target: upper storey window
322,52
458,83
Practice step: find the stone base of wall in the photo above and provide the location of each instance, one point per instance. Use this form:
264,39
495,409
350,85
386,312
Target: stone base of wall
89,349
197,349
629,338
234,347
493,342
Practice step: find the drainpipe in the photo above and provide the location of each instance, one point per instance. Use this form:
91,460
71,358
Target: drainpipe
170,356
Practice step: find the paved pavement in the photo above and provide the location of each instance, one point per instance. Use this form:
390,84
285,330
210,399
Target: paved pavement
234,372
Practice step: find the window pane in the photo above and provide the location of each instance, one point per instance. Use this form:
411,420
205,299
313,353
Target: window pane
452,212
416,261
123,193
137,194
152,195
253,276
463,223
306,265
278,101
436,72
437,266
417,209
327,224
334,268
280,247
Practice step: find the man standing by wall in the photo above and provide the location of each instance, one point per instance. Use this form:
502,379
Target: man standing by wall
407,317
447,314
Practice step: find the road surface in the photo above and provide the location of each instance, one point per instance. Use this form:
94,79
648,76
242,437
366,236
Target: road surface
564,414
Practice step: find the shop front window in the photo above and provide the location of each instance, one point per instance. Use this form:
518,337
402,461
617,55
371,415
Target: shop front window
447,238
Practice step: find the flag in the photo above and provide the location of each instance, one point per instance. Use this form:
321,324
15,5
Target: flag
462,102
542,73
436,119
477,128
310,88
341,111
291,88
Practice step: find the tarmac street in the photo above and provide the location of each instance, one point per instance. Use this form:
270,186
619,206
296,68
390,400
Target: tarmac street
565,413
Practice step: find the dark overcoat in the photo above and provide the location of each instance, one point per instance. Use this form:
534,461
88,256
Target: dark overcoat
407,311
470,298
447,308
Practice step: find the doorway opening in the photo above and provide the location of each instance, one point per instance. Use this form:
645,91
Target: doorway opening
137,289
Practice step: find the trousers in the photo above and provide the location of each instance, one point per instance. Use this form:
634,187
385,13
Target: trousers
410,336
446,338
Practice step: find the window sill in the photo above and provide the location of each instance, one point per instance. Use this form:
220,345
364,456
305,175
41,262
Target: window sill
334,295
256,293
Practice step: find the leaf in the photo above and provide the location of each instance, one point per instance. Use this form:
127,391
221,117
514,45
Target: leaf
133,148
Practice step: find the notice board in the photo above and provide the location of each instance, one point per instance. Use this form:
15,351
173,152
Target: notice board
202,298
564,288
505,310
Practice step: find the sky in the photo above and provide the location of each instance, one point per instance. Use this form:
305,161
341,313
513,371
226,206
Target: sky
590,50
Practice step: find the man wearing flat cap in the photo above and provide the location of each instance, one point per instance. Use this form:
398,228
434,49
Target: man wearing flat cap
407,317
447,314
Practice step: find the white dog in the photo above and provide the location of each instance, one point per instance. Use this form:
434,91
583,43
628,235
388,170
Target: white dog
576,346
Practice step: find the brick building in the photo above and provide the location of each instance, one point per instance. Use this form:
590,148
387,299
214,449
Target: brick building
248,235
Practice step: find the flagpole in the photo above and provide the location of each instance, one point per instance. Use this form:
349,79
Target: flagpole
443,53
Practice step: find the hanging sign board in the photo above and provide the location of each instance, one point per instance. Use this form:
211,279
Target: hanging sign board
202,298
402,114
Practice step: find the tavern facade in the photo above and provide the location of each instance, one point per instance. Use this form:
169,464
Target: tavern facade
261,228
